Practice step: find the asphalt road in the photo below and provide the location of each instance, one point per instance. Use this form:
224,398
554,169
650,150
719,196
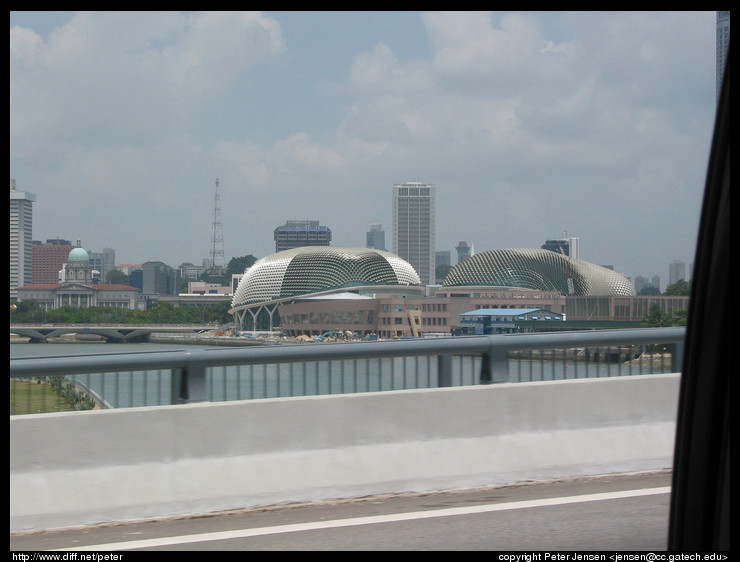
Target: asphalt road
608,514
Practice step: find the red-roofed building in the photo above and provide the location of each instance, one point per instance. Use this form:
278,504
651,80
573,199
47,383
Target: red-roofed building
77,290
80,295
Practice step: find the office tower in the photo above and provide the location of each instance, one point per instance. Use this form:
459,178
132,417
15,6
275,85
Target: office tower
160,279
21,243
565,246
676,271
48,260
375,237
103,262
218,264
413,227
723,45
442,265
296,234
642,283
443,257
463,251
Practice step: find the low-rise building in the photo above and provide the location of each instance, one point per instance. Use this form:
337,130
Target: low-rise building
504,321
79,295
78,288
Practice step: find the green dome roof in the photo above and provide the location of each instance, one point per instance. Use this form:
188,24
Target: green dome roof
78,254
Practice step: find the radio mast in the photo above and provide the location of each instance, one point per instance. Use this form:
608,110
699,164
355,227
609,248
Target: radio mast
217,240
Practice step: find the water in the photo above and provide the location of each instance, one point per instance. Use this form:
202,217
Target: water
117,390
152,388
52,348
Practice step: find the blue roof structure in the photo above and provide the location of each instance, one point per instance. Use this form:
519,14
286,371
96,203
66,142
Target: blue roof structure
500,311
502,320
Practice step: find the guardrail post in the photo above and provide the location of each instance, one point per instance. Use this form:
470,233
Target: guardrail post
189,384
494,367
676,350
444,370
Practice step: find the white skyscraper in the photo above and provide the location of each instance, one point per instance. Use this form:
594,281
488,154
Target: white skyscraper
413,227
21,225
676,272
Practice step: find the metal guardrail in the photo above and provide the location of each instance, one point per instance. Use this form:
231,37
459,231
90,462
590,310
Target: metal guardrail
214,374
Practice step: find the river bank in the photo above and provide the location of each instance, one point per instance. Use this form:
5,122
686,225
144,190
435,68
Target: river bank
615,355
175,339
206,339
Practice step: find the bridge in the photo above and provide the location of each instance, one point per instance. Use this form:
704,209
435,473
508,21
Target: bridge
198,455
39,333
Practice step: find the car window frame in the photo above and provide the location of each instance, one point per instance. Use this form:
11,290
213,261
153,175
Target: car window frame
699,510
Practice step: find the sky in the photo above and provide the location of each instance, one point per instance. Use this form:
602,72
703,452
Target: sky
531,125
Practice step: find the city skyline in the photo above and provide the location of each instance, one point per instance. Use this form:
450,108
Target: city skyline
529,124
677,270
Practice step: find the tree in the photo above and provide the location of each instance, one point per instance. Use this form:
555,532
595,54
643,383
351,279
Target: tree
221,313
649,290
239,265
117,277
655,318
163,313
680,288
236,266
27,306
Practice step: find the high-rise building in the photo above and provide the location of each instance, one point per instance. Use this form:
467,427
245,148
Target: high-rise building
565,246
443,257
413,227
49,259
375,237
641,283
676,271
21,241
723,45
103,262
297,234
442,264
463,251
160,279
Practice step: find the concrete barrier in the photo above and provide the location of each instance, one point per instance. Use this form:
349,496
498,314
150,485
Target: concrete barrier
83,468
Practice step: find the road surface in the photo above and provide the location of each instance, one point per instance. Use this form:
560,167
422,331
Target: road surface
610,513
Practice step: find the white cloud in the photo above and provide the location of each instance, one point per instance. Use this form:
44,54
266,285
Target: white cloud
520,119
132,77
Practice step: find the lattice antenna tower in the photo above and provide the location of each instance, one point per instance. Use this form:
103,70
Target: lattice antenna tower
217,239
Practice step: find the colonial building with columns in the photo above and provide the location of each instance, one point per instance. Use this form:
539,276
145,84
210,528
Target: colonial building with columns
78,287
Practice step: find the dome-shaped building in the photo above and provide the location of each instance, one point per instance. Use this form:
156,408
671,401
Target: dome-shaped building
320,270
544,270
78,255
78,268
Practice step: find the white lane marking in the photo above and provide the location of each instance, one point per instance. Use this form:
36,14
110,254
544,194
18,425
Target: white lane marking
370,520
